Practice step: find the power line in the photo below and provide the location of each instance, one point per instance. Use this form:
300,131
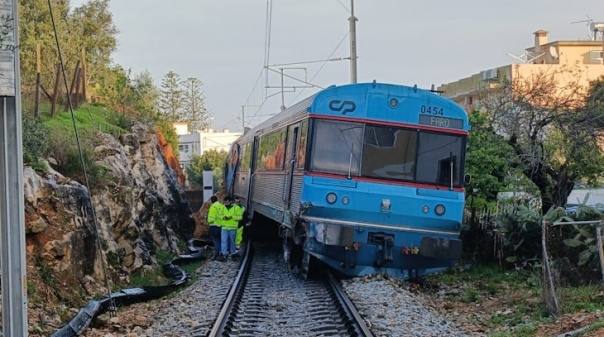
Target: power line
343,6
320,68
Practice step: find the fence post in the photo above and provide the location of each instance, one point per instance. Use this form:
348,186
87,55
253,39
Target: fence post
600,248
547,272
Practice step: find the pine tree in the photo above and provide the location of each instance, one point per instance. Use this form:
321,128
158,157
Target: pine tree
171,97
195,111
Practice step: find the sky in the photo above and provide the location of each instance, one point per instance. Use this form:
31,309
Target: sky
225,44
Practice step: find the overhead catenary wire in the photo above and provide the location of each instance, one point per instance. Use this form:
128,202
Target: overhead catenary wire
321,67
112,307
266,67
267,47
343,6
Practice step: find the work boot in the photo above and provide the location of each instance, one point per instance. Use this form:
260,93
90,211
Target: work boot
221,258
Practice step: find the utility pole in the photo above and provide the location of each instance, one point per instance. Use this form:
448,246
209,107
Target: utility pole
353,44
12,210
243,113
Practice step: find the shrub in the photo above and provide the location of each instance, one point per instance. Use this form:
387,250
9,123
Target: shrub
35,139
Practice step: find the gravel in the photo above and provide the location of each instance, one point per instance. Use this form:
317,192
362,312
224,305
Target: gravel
388,307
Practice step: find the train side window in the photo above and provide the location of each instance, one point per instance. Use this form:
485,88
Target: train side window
246,156
301,157
271,151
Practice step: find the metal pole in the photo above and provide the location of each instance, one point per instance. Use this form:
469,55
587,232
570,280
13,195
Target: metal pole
353,44
282,92
12,214
600,248
243,117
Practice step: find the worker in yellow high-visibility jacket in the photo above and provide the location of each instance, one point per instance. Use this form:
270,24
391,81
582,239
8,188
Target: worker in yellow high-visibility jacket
215,222
230,222
242,222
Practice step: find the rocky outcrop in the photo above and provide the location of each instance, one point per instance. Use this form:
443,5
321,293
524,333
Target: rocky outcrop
139,210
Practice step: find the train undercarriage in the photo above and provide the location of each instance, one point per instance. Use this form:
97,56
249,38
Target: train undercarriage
354,252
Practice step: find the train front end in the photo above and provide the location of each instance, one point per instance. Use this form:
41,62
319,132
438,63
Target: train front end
384,188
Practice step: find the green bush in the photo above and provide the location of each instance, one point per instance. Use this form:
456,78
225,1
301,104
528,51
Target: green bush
35,139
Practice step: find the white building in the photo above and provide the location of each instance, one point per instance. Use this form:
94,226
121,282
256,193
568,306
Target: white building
205,140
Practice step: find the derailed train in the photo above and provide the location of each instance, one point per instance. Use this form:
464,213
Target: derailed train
365,178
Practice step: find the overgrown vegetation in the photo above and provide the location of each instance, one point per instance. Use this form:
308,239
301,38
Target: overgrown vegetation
519,311
507,256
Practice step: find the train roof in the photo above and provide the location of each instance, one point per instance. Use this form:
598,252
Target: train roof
319,103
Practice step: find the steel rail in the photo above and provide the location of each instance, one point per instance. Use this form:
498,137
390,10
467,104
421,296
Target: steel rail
221,321
358,324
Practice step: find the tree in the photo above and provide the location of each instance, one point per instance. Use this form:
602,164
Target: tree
553,129
488,157
36,29
146,94
91,29
211,160
194,108
171,97
116,89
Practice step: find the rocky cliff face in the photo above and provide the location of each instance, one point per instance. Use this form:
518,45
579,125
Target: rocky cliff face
72,243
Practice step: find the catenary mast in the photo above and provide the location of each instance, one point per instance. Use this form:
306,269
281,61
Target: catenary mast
353,44
12,213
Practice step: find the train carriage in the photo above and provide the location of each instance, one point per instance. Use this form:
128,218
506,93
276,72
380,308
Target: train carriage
365,178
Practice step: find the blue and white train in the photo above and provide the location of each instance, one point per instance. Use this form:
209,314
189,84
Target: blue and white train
365,178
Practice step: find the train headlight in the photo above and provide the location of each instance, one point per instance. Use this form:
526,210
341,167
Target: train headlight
439,209
425,209
331,197
393,102
345,200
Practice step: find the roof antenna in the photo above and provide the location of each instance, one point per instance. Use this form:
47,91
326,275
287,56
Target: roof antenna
415,88
433,89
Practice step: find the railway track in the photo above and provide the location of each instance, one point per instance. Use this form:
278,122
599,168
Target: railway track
264,297
268,300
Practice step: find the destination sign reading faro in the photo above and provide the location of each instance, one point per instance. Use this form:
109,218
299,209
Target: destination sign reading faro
441,122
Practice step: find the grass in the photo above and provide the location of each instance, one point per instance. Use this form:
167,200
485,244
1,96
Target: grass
89,118
510,302
584,298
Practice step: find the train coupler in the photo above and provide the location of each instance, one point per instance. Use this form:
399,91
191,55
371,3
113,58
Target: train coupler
385,245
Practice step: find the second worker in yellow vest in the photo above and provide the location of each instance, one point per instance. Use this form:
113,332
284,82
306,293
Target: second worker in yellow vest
242,222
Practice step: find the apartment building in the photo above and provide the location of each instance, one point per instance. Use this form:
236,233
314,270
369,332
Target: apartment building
202,141
543,56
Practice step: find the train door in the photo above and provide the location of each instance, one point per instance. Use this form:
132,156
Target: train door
253,165
231,167
290,166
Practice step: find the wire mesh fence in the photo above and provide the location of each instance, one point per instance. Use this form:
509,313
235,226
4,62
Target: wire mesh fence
573,262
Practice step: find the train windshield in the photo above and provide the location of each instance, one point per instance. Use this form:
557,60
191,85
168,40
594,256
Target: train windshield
338,147
383,152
